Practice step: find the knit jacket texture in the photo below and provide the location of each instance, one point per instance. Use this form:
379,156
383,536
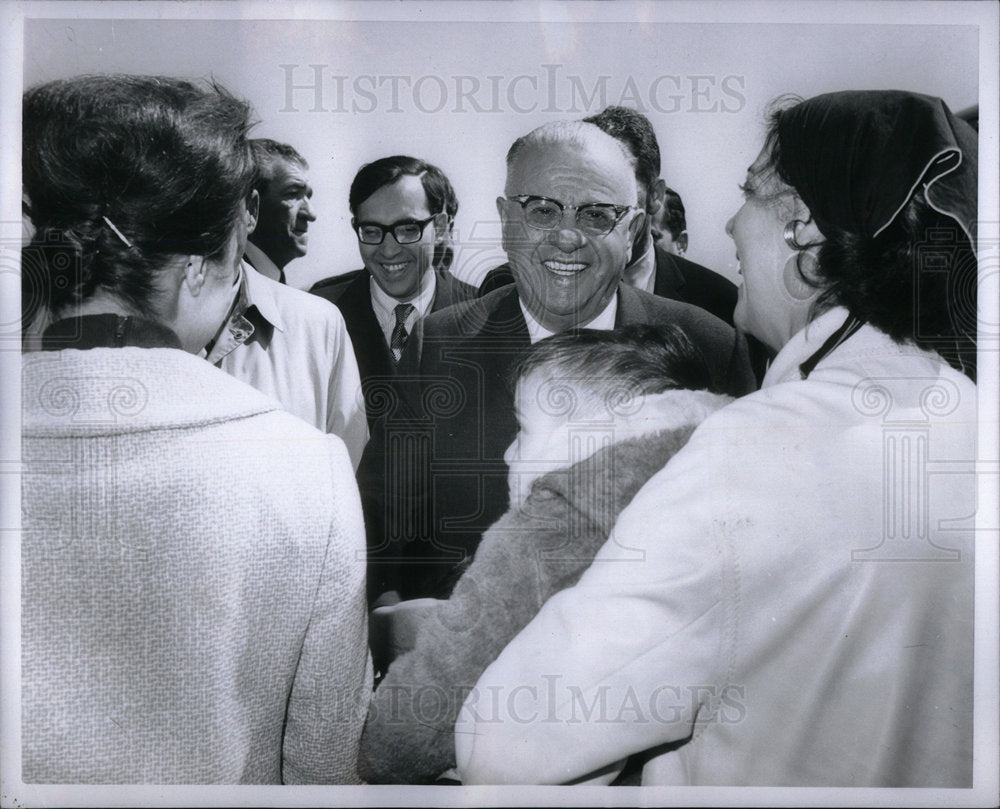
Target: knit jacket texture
192,591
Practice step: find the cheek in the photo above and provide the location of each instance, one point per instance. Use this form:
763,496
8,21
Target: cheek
367,252
424,249
612,257
518,240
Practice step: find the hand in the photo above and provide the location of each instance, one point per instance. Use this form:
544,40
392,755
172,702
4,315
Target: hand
393,629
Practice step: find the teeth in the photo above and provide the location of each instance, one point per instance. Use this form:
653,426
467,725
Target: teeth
564,267
394,267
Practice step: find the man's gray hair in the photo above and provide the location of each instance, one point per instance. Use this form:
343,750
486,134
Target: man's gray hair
578,134
266,153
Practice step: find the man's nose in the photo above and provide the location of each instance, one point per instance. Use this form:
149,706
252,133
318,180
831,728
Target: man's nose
306,210
389,247
729,227
568,237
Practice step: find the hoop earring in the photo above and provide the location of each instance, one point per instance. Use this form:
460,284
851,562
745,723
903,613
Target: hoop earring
796,273
789,235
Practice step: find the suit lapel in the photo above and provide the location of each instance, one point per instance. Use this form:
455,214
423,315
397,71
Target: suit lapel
669,277
443,293
507,320
373,354
631,307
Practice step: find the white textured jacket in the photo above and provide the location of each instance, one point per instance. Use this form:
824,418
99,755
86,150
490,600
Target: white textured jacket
192,596
788,602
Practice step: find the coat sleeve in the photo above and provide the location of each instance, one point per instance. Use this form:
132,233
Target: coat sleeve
332,686
625,660
345,415
409,734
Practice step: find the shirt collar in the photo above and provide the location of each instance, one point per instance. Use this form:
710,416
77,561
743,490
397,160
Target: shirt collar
384,304
260,295
260,261
254,308
605,321
807,341
639,273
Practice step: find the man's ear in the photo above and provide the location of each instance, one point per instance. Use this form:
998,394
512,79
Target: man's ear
442,227
634,229
635,226
502,212
253,211
194,274
682,242
655,196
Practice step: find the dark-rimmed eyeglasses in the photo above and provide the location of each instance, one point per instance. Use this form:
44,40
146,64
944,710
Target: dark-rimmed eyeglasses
405,231
594,218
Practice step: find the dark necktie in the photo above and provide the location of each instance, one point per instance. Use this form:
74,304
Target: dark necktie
399,336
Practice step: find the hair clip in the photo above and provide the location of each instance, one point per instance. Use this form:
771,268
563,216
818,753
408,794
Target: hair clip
117,232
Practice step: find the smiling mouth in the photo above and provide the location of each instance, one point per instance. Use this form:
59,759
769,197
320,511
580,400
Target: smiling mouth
565,268
394,267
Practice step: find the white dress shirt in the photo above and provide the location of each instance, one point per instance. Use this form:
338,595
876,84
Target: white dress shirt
384,305
605,321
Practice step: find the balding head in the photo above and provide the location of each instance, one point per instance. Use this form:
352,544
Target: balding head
568,264
580,136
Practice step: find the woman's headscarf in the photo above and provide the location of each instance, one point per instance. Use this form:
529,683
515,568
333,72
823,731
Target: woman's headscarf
856,158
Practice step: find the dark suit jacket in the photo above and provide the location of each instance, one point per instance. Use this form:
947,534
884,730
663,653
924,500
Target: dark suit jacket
679,280
676,278
351,293
433,481
683,280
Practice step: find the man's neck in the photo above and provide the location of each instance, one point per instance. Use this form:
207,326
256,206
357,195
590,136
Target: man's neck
538,330
264,263
99,303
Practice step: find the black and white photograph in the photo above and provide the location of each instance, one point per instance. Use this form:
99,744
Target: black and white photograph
499,403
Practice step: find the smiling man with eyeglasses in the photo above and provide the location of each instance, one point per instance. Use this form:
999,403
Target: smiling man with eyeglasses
570,215
569,220
402,212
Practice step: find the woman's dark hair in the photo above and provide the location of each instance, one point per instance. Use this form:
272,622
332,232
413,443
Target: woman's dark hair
385,171
634,359
120,173
916,280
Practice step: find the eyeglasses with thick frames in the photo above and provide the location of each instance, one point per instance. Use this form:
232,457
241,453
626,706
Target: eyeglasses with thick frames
594,218
406,231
